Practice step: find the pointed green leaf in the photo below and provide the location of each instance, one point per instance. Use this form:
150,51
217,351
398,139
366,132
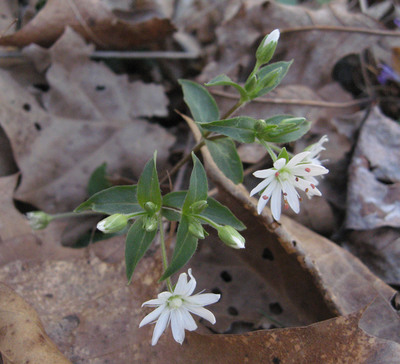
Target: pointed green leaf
98,180
224,80
148,186
284,154
215,211
227,158
198,185
241,128
186,244
138,241
113,200
263,74
201,104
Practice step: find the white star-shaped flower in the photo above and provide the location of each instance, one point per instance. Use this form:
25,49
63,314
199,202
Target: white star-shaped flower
285,176
175,307
316,149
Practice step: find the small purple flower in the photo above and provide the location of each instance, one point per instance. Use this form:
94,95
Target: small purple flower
387,73
397,22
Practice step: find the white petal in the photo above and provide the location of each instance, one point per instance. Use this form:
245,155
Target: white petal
292,196
281,162
177,326
202,312
203,299
188,321
276,203
261,204
152,316
262,185
268,191
272,37
181,284
297,159
160,326
191,285
162,298
309,170
264,173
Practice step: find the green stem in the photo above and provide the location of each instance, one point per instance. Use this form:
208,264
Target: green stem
164,252
208,221
235,107
269,150
64,215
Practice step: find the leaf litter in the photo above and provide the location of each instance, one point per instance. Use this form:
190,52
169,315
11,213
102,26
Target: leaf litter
288,275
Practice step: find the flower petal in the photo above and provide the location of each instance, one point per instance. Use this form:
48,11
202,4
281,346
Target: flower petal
161,324
309,170
177,326
276,205
297,159
153,316
292,197
203,299
280,163
162,298
191,285
264,173
188,320
202,312
262,185
180,287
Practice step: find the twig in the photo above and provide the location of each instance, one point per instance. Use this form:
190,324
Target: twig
312,103
333,28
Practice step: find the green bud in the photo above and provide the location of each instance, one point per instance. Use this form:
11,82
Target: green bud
38,219
198,206
260,126
251,83
196,229
113,223
150,223
266,49
231,237
150,207
270,78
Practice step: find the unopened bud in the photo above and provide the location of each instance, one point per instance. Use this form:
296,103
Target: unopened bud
267,47
231,237
150,207
113,223
38,219
196,229
198,206
250,83
150,223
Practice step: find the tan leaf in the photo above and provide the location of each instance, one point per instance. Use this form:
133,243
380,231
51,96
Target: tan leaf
94,21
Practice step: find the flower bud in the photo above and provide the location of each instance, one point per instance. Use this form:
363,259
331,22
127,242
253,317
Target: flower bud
38,219
150,223
196,229
113,223
251,83
150,207
267,47
231,237
198,206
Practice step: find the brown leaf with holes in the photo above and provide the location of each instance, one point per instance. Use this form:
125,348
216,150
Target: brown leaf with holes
95,21
22,336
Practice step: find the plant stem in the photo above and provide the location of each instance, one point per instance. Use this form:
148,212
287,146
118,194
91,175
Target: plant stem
235,107
164,251
64,215
269,148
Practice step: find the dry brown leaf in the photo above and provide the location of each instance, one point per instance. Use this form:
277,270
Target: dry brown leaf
56,180
314,52
22,335
95,22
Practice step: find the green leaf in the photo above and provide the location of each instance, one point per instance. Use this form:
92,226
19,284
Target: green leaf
148,189
201,104
138,241
186,244
273,67
215,211
240,128
284,129
224,80
284,154
227,158
198,185
98,180
113,200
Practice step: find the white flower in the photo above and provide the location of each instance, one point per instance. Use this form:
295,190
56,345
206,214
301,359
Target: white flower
174,307
316,149
272,37
284,178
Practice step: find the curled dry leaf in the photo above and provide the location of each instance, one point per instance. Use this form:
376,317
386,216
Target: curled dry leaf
23,338
95,22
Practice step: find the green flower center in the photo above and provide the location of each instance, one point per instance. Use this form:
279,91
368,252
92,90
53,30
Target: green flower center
175,302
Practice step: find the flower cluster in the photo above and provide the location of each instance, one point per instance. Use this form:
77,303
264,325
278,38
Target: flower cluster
174,307
287,175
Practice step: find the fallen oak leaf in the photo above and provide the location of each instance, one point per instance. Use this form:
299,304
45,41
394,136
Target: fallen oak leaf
22,335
